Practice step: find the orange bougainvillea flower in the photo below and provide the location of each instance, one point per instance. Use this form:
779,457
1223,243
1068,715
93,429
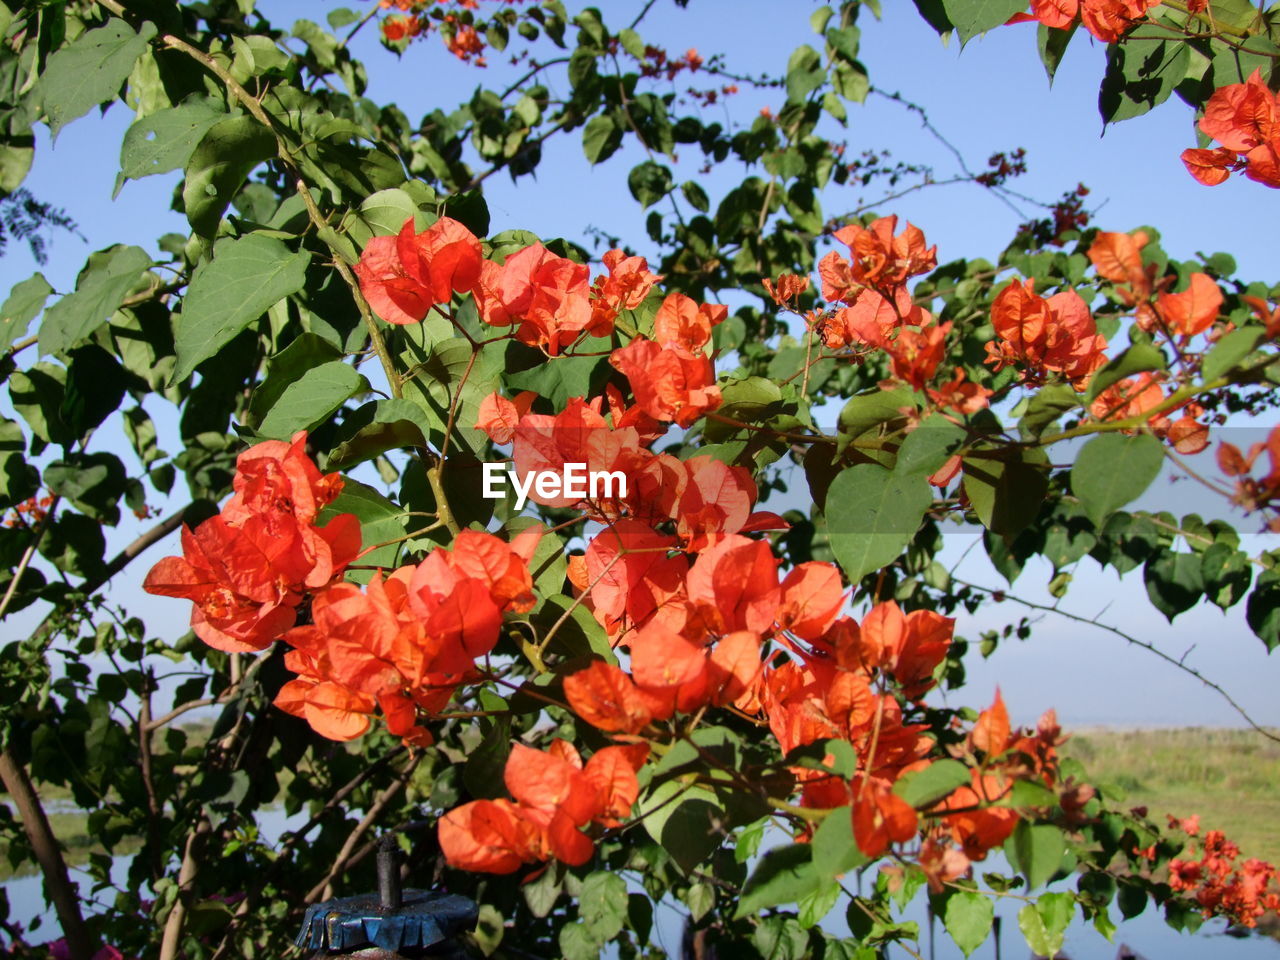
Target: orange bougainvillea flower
1108,20
1118,257
881,260
1193,310
444,259
546,296
1210,167
880,817
247,569
499,417
670,382
916,353
392,293
488,836
976,826
1245,119
628,282
1045,335
960,396
555,795
788,287
990,732
682,321
812,595
606,697
735,585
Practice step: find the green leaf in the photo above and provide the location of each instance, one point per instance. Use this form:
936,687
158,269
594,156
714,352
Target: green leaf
1227,573
1044,923
23,305
223,159
804,73
1113,470
470,209
816,904
375,428
834,851
649,182
968,917
784,875
166,139
95,386
1174,582
925,787
312,399
576,944
1045,406
286,367
696,196
866,411
384,213
1035,852
1137,359
631,42
18,481
1006,487
245,277
872,514
1142,72
601,138
380,520
1052,44
1229,351
89,71
93,482
972,17
928,446
37,397
103,284
781,938
1263,609
700,899
482,773
602,905
560,379
688,828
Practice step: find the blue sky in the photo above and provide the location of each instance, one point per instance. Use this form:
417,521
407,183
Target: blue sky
991,96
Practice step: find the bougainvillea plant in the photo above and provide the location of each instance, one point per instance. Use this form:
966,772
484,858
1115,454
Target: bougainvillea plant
487,542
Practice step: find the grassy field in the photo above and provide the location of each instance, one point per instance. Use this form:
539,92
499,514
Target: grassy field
1231,778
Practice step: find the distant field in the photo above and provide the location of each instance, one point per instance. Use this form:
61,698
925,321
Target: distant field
1231,778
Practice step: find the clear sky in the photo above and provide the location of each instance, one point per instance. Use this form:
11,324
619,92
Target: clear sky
992,96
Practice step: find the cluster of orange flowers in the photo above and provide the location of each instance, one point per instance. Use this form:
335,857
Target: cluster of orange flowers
1245,119
1254,493
461,38
406,642
401,645
249,568
29,513
551,303
1242,893
1108,20
556,795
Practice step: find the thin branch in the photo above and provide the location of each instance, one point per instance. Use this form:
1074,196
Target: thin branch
1144,644
324,889
65,897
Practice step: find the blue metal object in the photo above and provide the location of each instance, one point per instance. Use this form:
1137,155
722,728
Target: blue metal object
422,920
399,922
